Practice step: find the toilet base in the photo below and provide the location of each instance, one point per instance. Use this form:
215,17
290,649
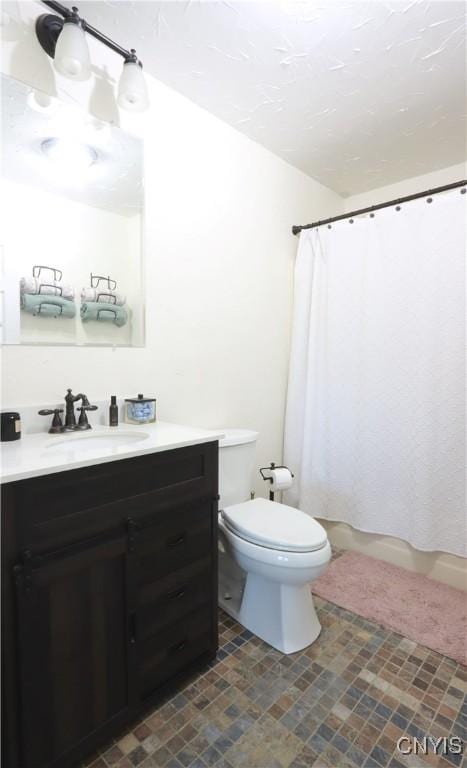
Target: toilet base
282,615
231,585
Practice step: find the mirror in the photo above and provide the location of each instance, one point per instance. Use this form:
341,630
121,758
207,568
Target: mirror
70,237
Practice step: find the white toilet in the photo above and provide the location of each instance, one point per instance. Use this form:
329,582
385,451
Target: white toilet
268,554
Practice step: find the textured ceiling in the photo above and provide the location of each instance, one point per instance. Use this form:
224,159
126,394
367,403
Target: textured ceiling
356,94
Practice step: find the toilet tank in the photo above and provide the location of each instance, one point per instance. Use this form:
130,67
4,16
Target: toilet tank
236,466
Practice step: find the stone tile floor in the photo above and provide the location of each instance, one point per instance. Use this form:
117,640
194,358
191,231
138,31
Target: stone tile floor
342,703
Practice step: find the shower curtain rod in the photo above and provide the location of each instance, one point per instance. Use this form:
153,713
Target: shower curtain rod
297,228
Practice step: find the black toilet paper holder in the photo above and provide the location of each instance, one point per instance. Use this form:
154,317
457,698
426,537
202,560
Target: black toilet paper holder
268,469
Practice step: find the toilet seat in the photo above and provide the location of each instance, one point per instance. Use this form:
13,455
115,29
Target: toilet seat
275,526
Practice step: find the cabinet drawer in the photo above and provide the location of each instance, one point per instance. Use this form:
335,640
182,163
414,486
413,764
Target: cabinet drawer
55,510
173,541
168,652
171,598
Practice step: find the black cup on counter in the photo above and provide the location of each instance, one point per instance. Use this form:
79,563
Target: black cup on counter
10,426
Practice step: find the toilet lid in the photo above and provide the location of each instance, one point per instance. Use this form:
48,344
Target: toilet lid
274,525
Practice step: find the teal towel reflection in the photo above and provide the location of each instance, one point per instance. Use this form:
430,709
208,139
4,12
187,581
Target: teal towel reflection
95,310
47,306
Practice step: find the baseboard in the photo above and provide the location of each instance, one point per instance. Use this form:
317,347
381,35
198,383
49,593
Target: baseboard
448,569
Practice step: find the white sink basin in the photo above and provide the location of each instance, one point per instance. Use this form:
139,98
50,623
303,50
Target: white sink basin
93,441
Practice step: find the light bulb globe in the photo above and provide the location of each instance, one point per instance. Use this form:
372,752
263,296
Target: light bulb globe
132,90
72,53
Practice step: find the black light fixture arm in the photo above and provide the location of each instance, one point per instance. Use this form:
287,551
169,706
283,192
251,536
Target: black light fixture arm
68,13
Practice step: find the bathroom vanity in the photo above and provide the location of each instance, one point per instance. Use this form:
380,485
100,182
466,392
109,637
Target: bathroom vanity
109,587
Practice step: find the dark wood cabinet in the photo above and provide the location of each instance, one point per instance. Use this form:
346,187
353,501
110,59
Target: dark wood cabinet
74,649
109,593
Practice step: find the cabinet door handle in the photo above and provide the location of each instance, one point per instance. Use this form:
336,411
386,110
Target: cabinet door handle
177,594
132,627
176,542
178,646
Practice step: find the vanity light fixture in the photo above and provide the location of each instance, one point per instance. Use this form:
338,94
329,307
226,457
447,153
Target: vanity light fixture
71,49
63,38
132,92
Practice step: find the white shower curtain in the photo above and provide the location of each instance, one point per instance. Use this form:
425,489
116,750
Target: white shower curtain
375,420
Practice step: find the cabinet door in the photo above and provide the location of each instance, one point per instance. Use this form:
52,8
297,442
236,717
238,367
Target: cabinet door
76,650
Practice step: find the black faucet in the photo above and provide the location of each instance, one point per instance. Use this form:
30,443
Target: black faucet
57,425
70,418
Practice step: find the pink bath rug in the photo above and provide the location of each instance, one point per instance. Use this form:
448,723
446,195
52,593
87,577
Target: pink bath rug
424,610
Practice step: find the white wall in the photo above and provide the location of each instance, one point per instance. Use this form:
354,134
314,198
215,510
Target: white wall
407,187
438,565
219,255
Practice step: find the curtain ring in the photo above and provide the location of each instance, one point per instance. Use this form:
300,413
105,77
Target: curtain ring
372,215
429,199
329,226
398,207
350,221
463,190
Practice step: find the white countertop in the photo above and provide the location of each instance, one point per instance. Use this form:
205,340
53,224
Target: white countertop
42,454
